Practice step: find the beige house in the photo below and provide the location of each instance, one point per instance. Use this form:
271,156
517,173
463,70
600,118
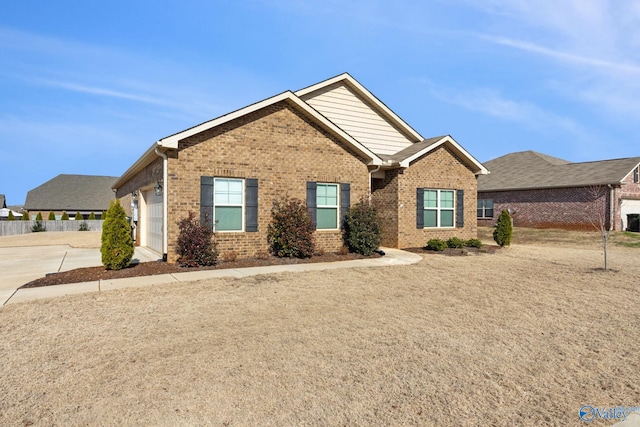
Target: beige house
330,144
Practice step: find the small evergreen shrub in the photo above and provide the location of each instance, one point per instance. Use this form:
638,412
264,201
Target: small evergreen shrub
52,216
65,216
195,246
39,216
504,229
84,226
92,216
291,231
38,226
78,216
11,217
473,243
117,245
436,245
25,216
362,232
455,242
104,215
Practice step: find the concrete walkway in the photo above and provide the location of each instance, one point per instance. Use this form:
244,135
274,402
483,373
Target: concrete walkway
392,257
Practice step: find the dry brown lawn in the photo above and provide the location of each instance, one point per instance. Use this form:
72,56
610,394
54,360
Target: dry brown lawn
522,337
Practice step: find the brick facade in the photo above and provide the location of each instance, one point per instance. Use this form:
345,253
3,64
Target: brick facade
395,198
279,147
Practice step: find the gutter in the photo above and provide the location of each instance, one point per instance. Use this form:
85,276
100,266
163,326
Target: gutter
165,207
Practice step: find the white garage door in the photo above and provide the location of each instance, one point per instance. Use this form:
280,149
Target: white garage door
153,218
628,207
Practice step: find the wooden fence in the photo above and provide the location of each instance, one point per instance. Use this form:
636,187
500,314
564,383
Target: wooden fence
8,228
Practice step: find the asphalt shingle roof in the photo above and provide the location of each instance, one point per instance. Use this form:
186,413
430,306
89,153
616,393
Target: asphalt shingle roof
528,170
411,150
72,193
3,201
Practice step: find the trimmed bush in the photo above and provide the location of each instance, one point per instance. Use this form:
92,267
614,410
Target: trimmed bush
65,216
52,216
117,244
291,231
78,216
436,245
362,232
92,216
195,246
11,217
39,216
25,216
504,229
38,226
473,243
104,215
455,242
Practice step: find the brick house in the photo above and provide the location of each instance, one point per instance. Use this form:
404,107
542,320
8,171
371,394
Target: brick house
330,144
542,191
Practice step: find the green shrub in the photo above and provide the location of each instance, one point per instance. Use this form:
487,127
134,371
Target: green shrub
11,217
455,242
84,226
65,216
78,216
195,244
504,229
362,232
117,244
25,216
104,215
473,243
436,245
92,216
52,216
39,216
38,227
291,231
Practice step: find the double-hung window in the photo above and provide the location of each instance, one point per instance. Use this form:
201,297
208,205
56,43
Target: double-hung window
228,204
439,208
327,206
485,208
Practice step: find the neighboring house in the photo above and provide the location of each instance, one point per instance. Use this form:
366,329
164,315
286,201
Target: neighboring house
542,191
331,145
71,194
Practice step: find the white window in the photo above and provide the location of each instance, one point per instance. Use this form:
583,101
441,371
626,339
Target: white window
228,206
438,208
485,208
327,206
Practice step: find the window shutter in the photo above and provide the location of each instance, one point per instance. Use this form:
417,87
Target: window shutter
251,205
206,201
311,200
419,207
460,209
345,201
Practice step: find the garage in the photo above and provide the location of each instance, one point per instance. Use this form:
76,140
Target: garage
628,209
153,221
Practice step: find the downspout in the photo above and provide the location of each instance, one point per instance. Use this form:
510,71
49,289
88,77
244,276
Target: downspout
165,207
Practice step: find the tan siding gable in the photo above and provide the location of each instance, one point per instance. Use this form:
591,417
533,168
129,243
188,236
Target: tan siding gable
358,118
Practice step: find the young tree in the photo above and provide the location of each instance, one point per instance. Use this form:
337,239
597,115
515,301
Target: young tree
117,245
597,195
39,216
52,216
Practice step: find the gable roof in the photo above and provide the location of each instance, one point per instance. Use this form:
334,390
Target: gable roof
72,193
530,170
404,157
3,201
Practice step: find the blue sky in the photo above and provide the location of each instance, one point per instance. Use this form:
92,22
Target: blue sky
86,87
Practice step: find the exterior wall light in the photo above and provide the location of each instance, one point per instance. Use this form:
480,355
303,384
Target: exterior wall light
158,189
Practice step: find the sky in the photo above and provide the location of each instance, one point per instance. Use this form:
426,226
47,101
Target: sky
86,87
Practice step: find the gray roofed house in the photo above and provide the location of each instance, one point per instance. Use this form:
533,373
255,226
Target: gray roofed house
71,194
3,201
547,192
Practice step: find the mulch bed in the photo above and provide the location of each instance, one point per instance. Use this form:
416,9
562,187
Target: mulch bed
485,249
91,274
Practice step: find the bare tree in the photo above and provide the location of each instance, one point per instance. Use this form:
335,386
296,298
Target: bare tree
597,195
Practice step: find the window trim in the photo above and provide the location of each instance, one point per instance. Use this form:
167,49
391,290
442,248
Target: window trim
336,206
484,209
439,209
242,204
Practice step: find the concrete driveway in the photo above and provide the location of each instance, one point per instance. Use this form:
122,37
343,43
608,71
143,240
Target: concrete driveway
20,265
